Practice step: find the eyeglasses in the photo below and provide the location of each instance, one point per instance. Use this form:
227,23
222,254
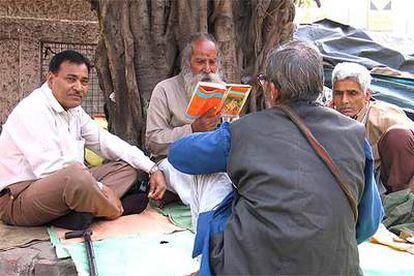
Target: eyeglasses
261,80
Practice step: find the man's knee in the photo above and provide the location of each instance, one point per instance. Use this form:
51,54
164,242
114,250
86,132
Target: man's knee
396,150
397,139
124,170
130,171
121,168
78,177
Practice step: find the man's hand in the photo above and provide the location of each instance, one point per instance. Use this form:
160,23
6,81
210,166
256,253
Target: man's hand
207,122
157,185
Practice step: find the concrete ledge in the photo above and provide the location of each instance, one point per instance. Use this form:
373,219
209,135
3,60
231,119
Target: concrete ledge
37,259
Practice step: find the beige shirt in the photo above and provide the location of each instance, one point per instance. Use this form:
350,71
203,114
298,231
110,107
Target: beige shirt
378,117
166,117
40,137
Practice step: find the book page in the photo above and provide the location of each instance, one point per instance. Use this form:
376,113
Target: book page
206,95
235,98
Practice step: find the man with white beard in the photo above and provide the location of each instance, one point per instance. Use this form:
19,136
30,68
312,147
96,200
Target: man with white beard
166,118
167,122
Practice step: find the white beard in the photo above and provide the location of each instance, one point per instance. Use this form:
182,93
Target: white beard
191,79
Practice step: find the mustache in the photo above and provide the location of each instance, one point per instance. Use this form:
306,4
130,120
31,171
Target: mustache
191,79
77,94
344,106
212,77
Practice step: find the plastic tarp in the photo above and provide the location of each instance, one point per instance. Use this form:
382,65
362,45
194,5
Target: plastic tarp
170,254
380,260
338,43
143,244
156,254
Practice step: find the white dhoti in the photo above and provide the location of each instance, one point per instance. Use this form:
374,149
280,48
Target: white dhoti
201,192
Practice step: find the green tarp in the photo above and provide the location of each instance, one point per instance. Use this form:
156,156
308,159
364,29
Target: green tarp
160,254
170,254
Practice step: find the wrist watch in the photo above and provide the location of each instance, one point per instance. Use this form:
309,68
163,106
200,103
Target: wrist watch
153,169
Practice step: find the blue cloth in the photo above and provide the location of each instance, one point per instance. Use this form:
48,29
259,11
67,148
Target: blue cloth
209,224
202,153
208,153
370,209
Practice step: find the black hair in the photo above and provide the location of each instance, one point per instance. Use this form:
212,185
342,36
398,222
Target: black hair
70,56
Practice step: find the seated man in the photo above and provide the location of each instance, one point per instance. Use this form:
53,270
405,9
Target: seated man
167,122
388,129
43,176
166,119
289,216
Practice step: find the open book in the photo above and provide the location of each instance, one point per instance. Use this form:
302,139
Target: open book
229,99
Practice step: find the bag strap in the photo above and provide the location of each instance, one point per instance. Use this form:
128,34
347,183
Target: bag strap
324,155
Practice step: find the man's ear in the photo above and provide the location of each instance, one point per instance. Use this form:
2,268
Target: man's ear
368,95
50,78
274,94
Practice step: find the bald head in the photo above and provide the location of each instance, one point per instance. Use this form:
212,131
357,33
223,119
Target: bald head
201,55
203,58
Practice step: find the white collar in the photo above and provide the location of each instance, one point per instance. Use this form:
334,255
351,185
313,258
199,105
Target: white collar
54,102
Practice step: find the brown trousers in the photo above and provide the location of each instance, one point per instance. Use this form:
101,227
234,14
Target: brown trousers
396,150
37,202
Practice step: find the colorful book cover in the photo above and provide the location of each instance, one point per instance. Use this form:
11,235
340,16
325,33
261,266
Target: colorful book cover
234,100
206,95
228,98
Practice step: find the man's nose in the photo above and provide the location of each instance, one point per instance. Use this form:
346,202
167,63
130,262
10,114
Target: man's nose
207,68
78,86
345,98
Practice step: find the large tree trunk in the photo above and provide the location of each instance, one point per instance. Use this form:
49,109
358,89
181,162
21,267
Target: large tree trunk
141,41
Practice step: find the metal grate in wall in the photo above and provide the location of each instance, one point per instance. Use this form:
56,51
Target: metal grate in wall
94,102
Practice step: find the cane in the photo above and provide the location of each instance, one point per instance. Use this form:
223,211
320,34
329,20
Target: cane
86,234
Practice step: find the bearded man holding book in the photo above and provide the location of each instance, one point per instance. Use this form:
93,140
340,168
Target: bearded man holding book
167,122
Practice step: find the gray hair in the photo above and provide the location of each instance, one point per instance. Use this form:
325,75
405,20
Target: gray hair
354,71
296,70
189,48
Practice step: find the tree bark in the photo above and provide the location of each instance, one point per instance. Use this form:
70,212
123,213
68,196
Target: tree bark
141,41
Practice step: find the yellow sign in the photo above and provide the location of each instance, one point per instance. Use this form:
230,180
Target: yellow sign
379,15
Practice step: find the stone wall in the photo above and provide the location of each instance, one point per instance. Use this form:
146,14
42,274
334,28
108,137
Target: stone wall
24,25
